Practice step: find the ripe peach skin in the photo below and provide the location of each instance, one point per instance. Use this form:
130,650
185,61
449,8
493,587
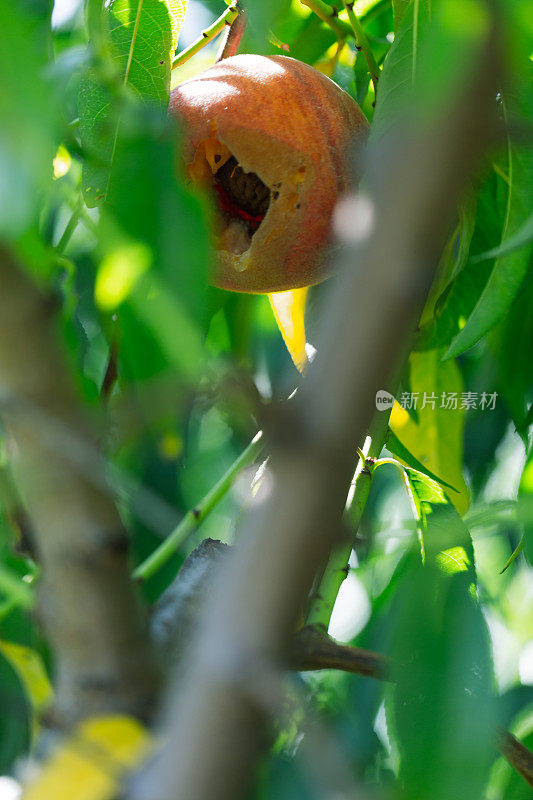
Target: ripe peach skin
290,125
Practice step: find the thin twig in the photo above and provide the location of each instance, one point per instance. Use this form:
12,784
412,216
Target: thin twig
311,650
361,41
225,19
71,226
516,754
196,516
330,16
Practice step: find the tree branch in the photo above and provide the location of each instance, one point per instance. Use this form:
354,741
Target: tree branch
516,754
218,713
312,651
89,607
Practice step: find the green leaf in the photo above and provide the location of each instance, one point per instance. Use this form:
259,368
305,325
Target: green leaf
436,437
441,530
398,10
514,555
262,18
399,70
143,37
454,304
401,452
30,668
525,507
155,229
509,344
523,236
434,47
426,489
177,9
15,717
29,114
510,269
312,40
516,787
452,262
441,712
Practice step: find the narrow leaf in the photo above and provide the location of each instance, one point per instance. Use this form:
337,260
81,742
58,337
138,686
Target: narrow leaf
509,269
523,236
440,712
400,451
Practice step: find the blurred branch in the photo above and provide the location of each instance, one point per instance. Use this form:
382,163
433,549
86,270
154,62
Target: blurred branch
516,754
217,716
207,35
70,228
90,610
111,372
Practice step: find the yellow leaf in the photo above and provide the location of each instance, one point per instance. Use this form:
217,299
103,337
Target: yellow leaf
91,764
29,666
436,439
289,311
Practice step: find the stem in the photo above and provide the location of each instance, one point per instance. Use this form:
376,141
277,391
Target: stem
329,15
233,37
337,567
517,754
86,220
311,650
362,41
111,373
207,36
195,516
72,224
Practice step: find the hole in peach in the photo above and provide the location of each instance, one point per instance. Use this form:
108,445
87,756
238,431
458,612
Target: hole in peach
242,197
243,200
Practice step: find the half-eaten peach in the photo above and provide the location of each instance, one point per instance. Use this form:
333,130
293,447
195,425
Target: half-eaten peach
271,135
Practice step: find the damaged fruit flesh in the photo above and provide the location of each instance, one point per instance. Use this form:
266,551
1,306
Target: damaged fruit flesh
270,138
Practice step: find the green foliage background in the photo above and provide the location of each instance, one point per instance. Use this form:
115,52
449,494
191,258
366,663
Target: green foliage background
130,276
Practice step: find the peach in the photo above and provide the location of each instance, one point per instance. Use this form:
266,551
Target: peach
271,135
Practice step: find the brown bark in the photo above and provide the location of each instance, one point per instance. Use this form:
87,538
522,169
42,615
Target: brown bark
90,610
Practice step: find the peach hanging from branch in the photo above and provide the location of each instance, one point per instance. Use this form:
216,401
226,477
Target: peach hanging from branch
271,136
